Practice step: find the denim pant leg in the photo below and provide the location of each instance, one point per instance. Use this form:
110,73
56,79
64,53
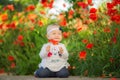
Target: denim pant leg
63,73
44,72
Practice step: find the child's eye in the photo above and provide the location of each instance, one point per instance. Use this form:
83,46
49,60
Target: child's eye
59,33
54,33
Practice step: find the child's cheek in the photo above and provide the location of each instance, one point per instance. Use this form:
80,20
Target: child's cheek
48,36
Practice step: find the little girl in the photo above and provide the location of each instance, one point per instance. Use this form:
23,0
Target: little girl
54,55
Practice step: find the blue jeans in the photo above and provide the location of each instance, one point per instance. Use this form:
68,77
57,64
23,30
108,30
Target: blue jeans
44,73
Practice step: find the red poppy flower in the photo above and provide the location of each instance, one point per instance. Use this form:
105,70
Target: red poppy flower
32,17
1,26
89,46
116,2
63,22
20,38
12,65
116,31
66,34
45,4
71,12
21,44
82,55
93,16
4,17
11,58
82,4
79,29
9,7
116,18
114,39
40,23
30,8
107,29
50,5
12,25
43,1
112,12
85,41
42,12
89,2
93,10
110,5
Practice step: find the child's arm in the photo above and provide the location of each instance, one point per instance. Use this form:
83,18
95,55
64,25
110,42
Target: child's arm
43,53
63,52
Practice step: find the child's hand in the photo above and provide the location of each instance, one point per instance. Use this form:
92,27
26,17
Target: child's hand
61,50
48,48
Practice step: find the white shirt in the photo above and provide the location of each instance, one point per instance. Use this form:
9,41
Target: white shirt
56,61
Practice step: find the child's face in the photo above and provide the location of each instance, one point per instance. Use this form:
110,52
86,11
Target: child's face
55,35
